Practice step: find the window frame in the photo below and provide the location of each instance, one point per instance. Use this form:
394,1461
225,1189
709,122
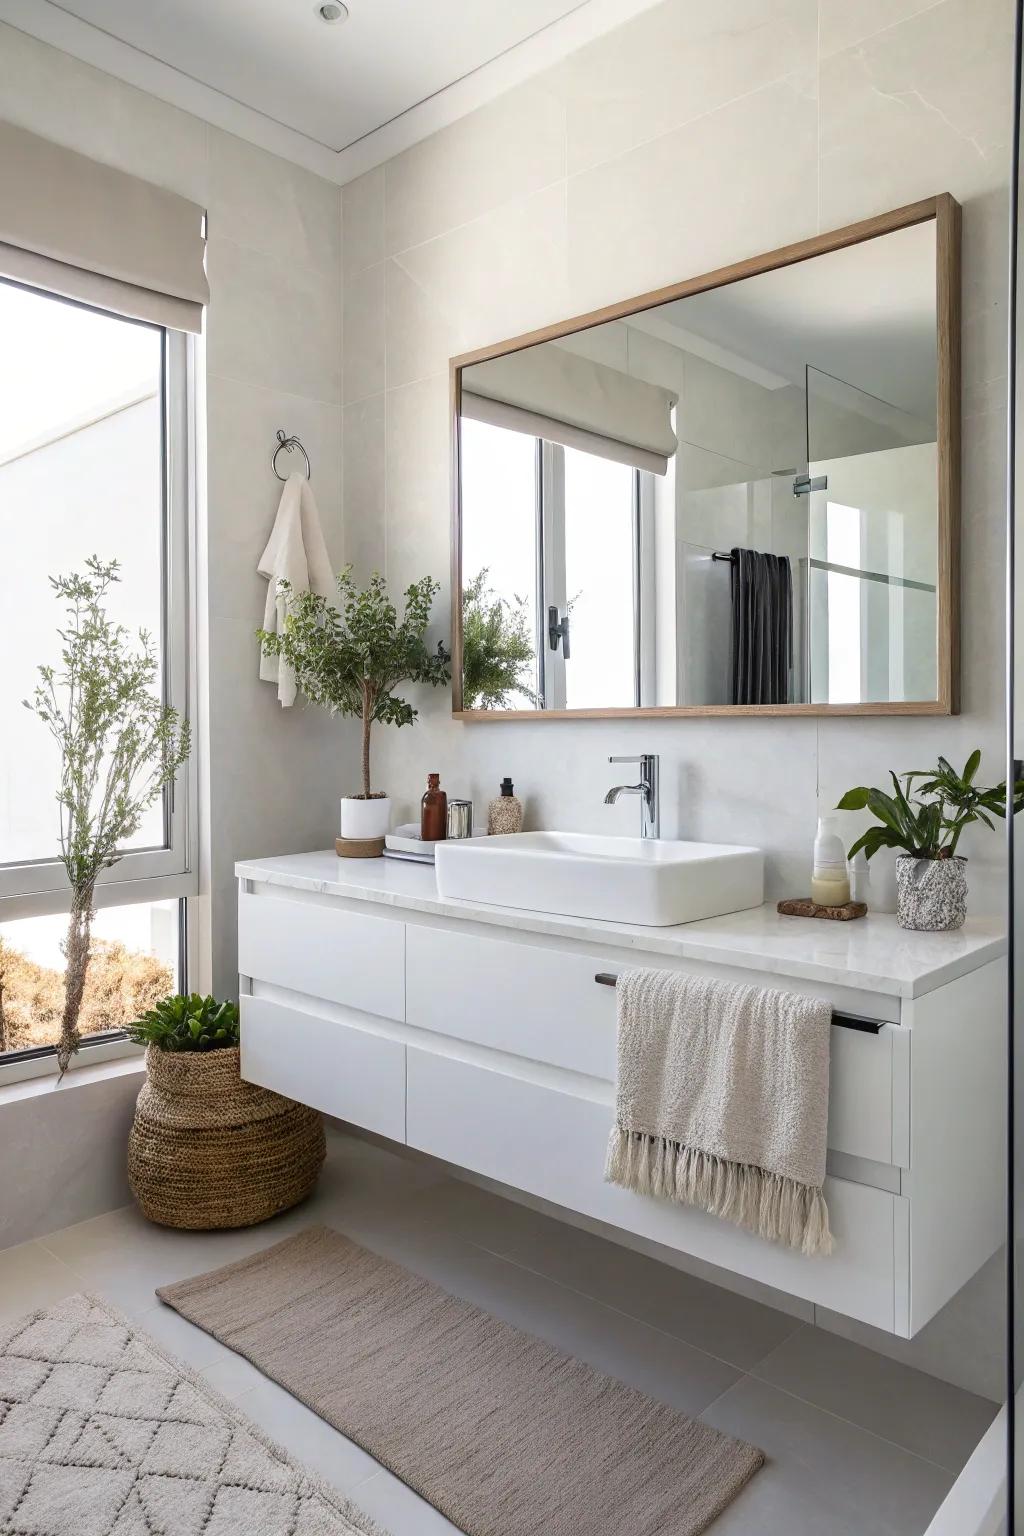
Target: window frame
37,888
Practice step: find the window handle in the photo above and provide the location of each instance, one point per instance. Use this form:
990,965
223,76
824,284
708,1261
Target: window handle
558,630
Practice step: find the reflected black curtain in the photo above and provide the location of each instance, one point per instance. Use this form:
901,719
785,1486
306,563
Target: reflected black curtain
762,627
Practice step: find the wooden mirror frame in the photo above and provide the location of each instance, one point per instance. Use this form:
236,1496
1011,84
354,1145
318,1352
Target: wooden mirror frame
945,211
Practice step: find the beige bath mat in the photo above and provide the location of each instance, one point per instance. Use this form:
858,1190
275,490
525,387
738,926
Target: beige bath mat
102,1434
502,1433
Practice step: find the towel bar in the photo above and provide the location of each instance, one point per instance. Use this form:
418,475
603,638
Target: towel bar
843,1020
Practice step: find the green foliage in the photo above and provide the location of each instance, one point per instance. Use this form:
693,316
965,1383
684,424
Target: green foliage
926,821
190,1023
497,648
350,659
119,746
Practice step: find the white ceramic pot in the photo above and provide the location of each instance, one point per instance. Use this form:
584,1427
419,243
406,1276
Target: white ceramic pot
931,894
365,818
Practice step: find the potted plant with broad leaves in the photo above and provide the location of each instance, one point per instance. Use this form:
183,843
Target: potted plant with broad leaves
350,659
119,746
206,1149
498,655
924,818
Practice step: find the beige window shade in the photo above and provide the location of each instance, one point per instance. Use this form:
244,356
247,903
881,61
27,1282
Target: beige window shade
89,232
550,392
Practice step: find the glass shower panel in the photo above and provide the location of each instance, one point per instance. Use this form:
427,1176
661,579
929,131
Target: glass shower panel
872,568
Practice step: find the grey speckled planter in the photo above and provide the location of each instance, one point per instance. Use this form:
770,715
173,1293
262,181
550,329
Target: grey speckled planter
931,894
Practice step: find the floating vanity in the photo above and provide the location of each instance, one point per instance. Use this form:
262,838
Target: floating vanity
484,1036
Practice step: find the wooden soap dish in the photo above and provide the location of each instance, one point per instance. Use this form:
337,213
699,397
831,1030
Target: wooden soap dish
359,847
803,906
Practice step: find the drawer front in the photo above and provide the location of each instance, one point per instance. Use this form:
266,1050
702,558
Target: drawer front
338,1068
543,1004
552,1144
539,1003
324,951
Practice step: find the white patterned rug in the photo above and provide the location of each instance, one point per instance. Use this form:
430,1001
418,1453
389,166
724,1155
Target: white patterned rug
102,1434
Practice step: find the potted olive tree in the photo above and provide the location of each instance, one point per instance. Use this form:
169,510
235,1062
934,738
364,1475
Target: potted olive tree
119,745
350,659
925,821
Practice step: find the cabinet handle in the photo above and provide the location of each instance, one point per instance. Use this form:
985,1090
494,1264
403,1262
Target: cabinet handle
843,1020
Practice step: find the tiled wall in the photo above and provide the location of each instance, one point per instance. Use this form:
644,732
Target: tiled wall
273,358
692,136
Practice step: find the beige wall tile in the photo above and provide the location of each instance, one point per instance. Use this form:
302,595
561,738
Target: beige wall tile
417,485
923,107
272,206
364,334
273,323
845,22
364,486
674,63
363,221
506,149
500,275
421,336
673,208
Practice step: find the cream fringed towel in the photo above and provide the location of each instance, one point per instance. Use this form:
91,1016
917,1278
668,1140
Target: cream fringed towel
722,1102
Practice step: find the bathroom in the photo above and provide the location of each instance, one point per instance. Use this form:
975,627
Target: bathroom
390,197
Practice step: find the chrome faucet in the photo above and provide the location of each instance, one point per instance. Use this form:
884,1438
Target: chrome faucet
647,789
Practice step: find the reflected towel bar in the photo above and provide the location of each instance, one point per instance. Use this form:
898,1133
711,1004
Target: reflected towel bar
842,1020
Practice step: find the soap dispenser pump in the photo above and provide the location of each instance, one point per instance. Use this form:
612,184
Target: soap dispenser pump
505,812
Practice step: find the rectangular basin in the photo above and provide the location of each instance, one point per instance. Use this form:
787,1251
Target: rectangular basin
655,881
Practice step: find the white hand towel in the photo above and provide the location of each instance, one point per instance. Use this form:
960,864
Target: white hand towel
295,553
722,1102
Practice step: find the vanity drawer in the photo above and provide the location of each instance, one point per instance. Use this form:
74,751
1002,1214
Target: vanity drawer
340,1069
323,951
551,1143
544,1005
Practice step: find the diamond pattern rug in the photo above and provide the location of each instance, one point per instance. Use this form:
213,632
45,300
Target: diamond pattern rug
102,1434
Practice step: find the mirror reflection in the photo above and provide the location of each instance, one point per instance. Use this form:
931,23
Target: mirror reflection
728,499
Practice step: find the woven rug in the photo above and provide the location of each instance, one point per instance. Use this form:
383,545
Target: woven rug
102,1434
504,1434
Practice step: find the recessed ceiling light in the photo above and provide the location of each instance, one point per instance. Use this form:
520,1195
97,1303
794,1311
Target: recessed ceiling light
332,11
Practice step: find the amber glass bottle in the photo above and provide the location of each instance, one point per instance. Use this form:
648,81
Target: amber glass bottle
434,811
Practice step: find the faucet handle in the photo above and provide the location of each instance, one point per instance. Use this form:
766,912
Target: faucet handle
625,759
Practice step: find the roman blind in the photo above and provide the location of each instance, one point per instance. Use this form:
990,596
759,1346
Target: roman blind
89,232
548,391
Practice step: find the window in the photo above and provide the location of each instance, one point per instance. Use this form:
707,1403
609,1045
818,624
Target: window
558,533
94,459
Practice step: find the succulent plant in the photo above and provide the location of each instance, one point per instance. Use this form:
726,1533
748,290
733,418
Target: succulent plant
187,1023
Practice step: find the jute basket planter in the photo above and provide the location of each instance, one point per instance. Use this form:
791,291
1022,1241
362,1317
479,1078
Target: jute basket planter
208,1150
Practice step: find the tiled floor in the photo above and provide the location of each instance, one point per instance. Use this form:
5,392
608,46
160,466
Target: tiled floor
857,1445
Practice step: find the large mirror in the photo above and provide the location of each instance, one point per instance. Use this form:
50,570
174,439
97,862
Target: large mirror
739,493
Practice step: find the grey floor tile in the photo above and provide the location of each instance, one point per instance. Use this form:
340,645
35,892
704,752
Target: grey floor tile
309,1438
400,1511
824,1477
31,1277
714,1319
926,1416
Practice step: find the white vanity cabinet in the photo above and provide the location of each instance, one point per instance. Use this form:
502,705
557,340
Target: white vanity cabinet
481,1036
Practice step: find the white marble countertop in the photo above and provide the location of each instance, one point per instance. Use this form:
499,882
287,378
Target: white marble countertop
872,953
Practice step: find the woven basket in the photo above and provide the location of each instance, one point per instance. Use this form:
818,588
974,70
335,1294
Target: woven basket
208,1150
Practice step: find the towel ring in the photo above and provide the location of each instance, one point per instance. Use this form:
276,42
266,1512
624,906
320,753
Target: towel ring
288,444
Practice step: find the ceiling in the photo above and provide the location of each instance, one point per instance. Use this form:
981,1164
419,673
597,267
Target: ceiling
865,313
337,98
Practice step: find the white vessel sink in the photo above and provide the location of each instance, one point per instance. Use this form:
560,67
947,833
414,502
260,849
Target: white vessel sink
653,881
